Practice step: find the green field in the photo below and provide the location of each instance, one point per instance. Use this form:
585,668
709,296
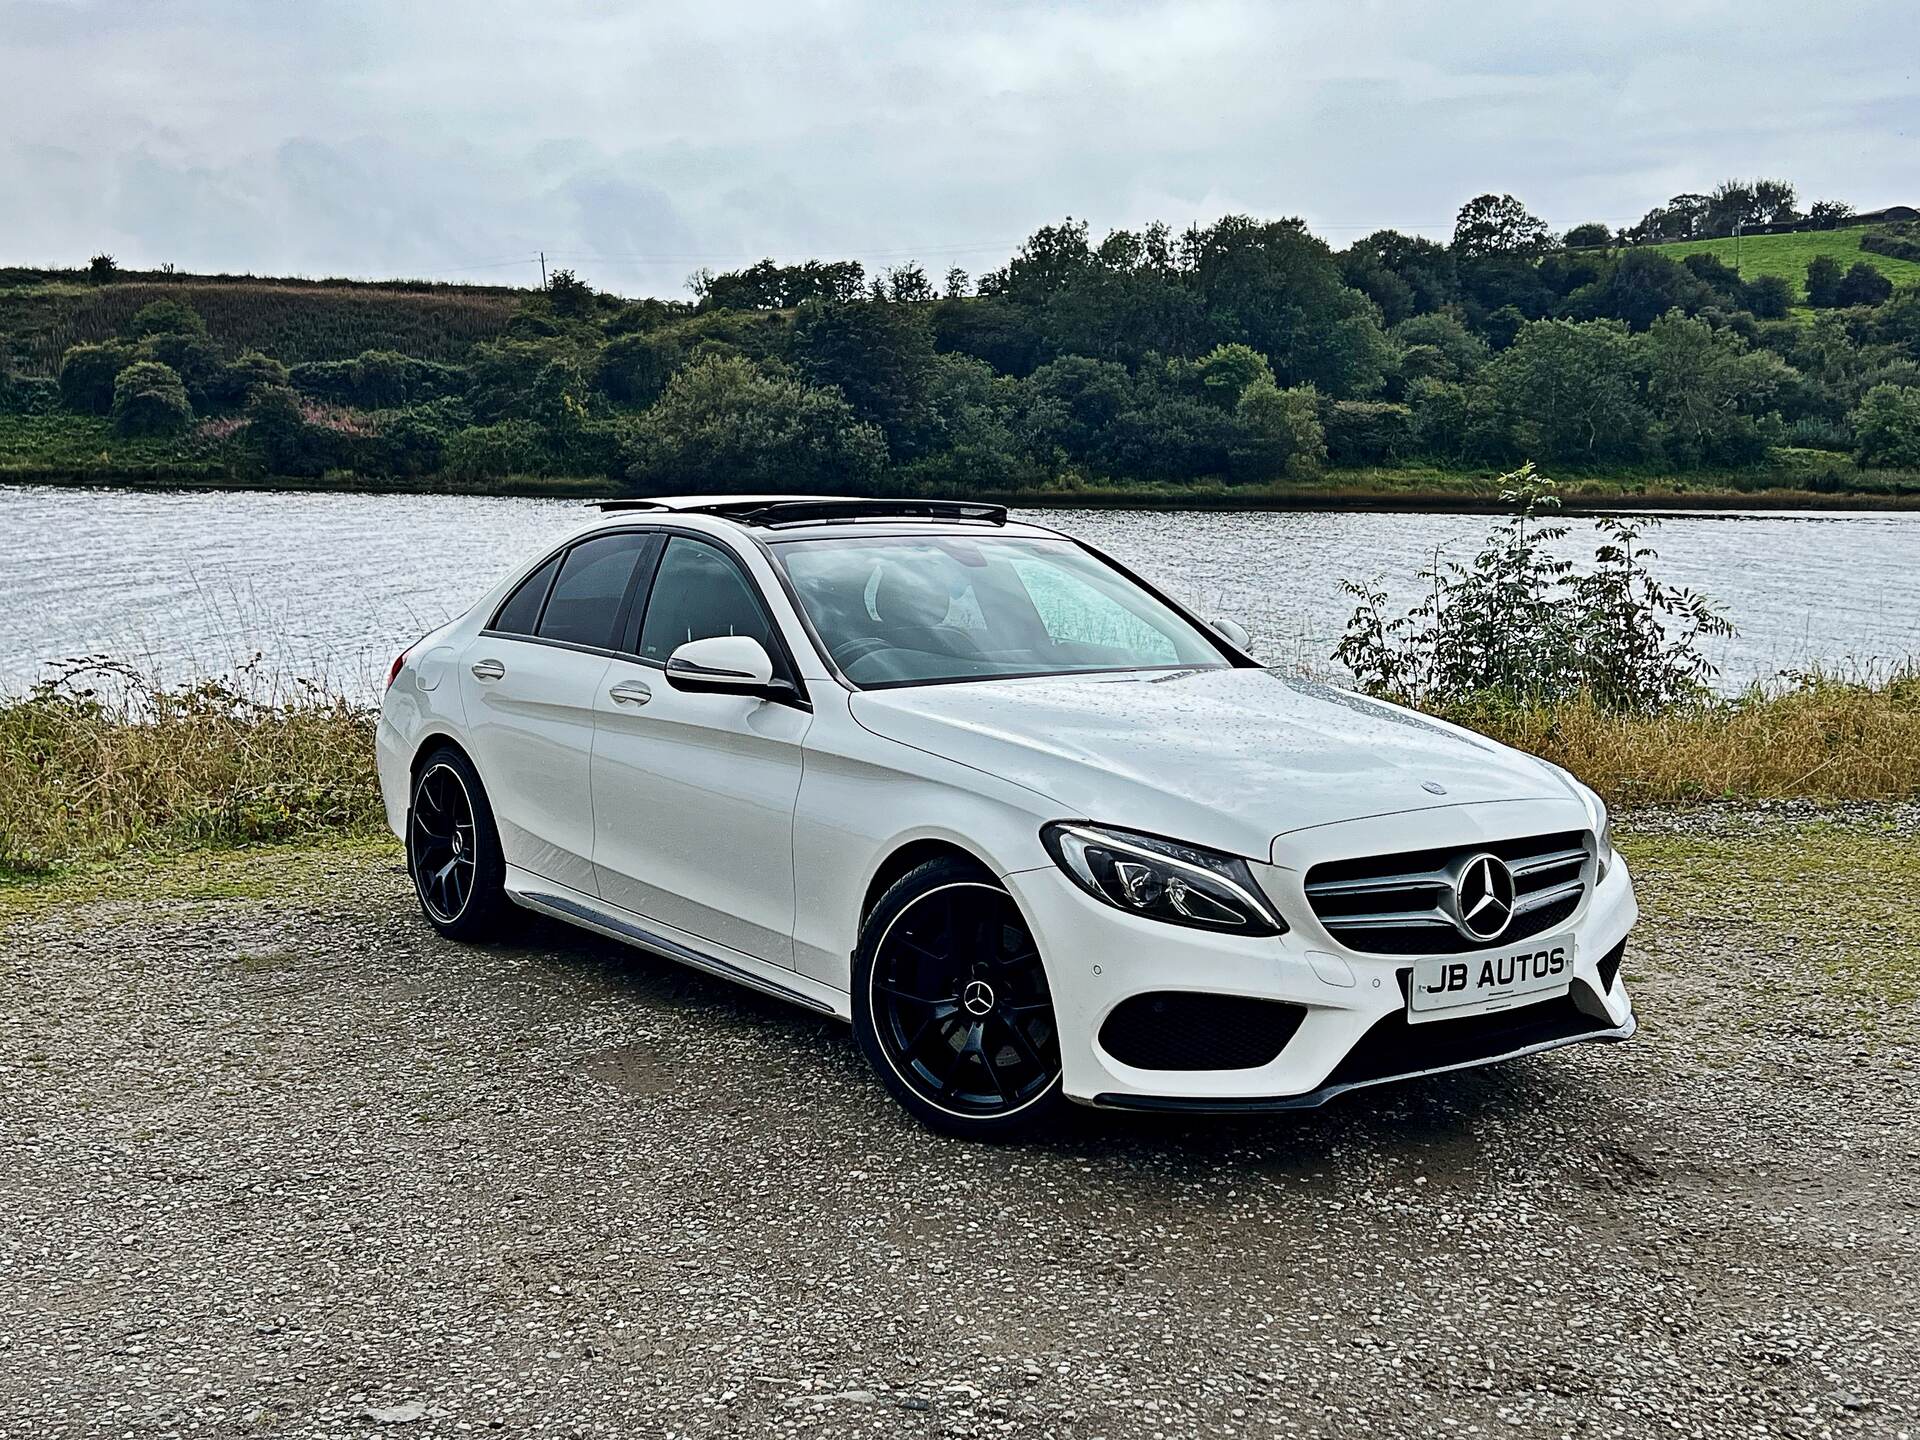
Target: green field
1787,255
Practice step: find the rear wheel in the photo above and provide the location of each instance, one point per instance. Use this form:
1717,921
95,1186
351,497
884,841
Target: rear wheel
951,1004
453,849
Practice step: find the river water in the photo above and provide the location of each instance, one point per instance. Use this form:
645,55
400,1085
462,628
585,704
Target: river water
330,586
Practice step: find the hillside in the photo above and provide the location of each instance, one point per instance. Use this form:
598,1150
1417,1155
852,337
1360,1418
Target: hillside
292,321
1787,255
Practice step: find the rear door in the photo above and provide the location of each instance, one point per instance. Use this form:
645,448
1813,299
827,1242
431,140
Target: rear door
693,795
530,681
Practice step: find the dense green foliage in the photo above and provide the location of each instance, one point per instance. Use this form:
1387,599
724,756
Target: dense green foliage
1242,353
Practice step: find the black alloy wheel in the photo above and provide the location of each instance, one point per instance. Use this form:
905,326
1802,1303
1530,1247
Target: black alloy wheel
957,1015
453,848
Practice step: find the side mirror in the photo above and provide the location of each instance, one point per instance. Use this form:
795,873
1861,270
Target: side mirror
721,665
1233,634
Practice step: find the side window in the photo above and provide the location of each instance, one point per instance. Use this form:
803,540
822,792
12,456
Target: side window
697,593
1078,614
522,610
584,608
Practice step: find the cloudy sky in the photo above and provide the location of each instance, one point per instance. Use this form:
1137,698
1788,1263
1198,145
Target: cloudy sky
634,142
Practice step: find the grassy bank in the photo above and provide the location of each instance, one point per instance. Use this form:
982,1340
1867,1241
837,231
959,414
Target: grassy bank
108,765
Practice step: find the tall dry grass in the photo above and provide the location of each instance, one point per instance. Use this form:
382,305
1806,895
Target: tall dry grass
1819,737
102,759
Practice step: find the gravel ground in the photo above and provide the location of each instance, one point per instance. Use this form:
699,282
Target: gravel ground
296,1166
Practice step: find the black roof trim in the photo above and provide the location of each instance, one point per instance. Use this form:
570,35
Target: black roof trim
773,513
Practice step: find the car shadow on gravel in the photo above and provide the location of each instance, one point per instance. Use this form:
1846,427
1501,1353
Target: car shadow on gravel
1441,1121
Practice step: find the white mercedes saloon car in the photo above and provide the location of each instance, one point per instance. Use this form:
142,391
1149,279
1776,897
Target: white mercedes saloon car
1037,831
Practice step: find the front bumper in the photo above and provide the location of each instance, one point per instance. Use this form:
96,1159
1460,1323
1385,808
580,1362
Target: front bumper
1352,1033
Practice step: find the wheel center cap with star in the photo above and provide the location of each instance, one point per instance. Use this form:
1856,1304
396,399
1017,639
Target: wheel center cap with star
977,998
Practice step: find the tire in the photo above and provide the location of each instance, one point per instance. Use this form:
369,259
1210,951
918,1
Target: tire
453,849
951,1005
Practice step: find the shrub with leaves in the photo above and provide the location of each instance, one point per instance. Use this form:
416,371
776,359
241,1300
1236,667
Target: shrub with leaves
148,399
1519,625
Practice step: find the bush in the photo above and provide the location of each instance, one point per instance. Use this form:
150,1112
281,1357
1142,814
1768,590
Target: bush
238,378
725,425
378,380
1886,427
1517,626
1280,432
148,399
166,317
1863,285
493,452
1823,282
86,376
1769,297
1899,247
194,358
1592,235
1367,432
634,369
101,269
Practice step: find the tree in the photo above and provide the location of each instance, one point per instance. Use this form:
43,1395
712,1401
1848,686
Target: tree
166,317
1227,371
956,283
1438,347
908,285
1708,392
1769,297
723,425
570,296
878,355
1425,267
1886,426
1271,285
1829,214
1863,285
87,373
1566,391
1823,282
634,369
1644,286
1681,218
1591,236
1497,225
246,370
148,399
1280,432
1049,259
101,270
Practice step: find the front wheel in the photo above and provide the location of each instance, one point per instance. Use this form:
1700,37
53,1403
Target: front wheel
453,849
951,1004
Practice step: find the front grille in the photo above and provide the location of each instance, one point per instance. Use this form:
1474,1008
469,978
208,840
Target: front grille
1395,1047
1397,904
1186,1030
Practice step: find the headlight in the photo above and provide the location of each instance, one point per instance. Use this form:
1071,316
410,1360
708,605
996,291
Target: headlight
1603,833
1162,879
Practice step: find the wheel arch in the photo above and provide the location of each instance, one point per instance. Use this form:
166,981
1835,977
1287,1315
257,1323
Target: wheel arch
909,856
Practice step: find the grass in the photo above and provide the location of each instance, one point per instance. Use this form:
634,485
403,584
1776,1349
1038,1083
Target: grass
1840,895
102,762
1787,255
1826,739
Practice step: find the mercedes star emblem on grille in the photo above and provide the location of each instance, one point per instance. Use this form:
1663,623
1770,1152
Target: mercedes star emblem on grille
1483,898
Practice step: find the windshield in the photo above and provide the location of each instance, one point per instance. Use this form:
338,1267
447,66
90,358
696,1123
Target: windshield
917,610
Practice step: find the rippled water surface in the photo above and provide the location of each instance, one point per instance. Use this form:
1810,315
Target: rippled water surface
332,585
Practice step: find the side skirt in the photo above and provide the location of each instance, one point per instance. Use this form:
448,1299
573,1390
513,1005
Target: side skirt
560,903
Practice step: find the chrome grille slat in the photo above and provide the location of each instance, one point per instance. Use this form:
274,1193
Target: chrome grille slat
1430,879
1402,903
1534,900
1549,862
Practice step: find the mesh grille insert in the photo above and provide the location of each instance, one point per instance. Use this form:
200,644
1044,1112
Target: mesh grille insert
1185,1030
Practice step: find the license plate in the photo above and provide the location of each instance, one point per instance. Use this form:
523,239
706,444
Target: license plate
1445,986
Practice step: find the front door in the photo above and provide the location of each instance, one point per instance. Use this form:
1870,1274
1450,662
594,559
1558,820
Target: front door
693,795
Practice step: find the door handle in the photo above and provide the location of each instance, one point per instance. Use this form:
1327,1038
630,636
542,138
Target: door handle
488,669
631,692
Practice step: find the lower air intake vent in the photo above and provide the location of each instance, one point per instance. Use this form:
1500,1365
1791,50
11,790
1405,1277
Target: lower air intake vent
1181,1030
1409,903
